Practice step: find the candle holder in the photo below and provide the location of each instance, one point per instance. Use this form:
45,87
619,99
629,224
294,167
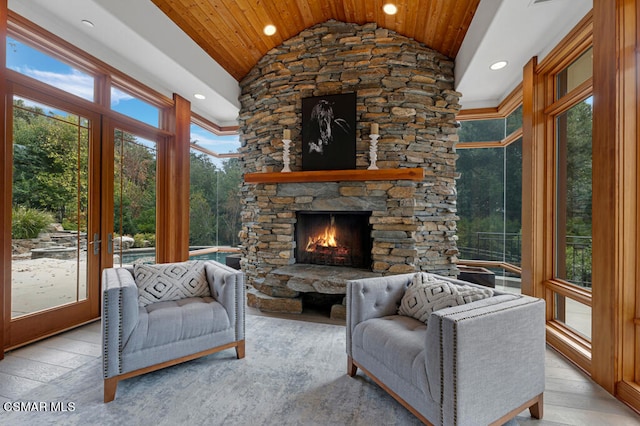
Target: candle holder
373,151
285,155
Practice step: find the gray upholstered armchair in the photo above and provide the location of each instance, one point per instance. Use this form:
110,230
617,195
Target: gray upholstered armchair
477,363
148,328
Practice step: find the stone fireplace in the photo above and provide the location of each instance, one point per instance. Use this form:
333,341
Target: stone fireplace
403,216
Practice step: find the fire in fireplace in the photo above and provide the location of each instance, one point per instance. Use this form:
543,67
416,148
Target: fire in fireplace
334,238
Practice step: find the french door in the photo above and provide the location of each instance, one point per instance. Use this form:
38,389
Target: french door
83,196
129,184
55,221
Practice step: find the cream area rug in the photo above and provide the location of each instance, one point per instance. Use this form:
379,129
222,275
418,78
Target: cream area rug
294,373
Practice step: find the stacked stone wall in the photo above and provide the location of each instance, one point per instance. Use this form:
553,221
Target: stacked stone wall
400,84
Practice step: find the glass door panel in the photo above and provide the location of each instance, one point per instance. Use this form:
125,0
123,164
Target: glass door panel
134,199
573,240
573,314
50,207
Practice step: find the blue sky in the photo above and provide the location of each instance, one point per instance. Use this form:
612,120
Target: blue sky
35,64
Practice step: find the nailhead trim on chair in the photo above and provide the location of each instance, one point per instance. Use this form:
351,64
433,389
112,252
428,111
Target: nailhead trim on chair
120,331
455,356
441,375
105,358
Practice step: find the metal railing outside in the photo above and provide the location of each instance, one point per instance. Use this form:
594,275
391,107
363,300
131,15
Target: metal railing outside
507,247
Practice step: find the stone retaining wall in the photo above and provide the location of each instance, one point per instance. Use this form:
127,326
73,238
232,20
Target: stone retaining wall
400,84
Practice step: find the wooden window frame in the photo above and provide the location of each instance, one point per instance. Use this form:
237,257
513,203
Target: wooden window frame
216,130
540,109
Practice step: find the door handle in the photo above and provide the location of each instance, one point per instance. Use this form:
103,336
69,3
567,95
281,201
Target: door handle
96,244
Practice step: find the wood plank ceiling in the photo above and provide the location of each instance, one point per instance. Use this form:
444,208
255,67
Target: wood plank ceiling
231,31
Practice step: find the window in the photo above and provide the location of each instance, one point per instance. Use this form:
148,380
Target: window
50,207
490,194
559,196
215,179
482,130
575,74
573,194
33,63
126,104
134,192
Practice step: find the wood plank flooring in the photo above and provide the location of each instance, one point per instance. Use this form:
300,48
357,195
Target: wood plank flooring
571,398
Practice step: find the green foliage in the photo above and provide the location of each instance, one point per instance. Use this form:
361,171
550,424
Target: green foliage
482,130
491,182
577,125
134,186
50,173
144,240
490,191
202,226
28,223
514,120
230,182
215,201
50,161
490,203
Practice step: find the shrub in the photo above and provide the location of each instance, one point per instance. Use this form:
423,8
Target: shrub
151,238
28,223
138,240
144,240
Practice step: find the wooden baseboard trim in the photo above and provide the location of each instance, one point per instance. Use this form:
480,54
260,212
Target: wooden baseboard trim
629,393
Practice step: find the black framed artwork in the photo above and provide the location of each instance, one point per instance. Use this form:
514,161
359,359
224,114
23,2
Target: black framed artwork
329,132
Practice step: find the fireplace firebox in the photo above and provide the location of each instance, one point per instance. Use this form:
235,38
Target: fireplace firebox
334,238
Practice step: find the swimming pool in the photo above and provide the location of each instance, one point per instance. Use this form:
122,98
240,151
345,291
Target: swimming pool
148,256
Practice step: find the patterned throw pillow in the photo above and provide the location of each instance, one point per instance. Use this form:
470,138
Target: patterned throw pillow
170,281
428,293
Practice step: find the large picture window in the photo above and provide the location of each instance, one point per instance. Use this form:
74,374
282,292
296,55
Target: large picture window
558,202
214,205
490,195
573,195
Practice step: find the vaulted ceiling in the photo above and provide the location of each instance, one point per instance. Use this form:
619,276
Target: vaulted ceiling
231,31
206,46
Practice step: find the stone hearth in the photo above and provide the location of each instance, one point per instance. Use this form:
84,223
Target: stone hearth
401,85
304,278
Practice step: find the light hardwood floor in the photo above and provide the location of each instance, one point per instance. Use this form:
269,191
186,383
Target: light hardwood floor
570,398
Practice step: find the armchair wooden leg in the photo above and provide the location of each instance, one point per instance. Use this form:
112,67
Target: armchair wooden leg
351,367
536,409
240,349
110,386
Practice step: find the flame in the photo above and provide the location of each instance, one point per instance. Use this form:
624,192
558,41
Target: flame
326,238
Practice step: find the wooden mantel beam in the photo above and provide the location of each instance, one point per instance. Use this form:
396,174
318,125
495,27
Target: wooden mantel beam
414,174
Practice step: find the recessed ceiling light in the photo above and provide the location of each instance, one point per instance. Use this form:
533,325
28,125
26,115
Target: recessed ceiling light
269,30
498,65
199,96
88,23
390,9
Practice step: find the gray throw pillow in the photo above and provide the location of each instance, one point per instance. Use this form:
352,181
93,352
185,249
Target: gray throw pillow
170,281
428,293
